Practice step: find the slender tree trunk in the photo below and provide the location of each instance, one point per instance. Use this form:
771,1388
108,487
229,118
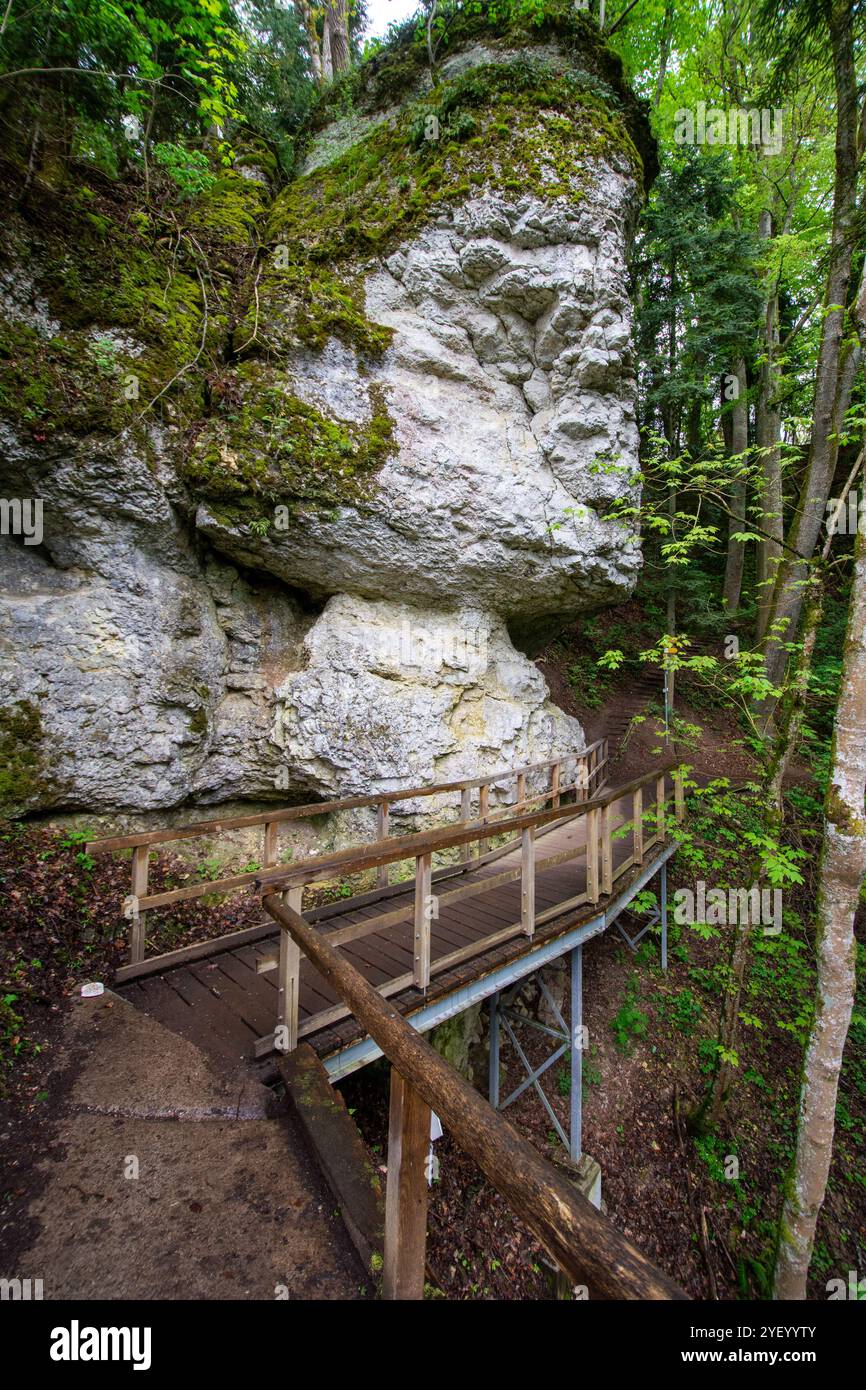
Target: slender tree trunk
790,729
306,12
768,437
710,1111
842,868
664,51
832,381
736,556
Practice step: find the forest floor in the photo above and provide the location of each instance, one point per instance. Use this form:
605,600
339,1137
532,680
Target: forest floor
704,1210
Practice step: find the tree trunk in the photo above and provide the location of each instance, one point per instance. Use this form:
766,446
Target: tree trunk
664,52
336,40
737,521
768,437
710,1111
842,868
306,12
832,381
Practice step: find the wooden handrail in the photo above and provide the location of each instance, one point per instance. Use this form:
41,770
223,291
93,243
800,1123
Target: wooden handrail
140,902
377,853
432,841
584,1244
322,808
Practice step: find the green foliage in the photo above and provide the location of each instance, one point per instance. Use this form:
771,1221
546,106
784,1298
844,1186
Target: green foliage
188,169
630,1022
164,65
683,1010
700,307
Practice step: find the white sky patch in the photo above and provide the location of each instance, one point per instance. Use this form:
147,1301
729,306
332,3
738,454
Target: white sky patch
385,12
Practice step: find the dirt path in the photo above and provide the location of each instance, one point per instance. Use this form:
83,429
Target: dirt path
152,1175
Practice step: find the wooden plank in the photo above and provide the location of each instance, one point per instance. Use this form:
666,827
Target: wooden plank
427,842
382,834
357,859
271,841
338,1149
637,823
592,892
214,1014
138,919
527,883
606,853
660,807
199,951
379,922
382,956
465,817
248,1002
229,1041
421,955
308,809
483,811
286,1037
406,1192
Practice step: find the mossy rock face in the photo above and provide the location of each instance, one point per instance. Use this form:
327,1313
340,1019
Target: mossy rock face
523,124
270,447
25,777
400,70
136,303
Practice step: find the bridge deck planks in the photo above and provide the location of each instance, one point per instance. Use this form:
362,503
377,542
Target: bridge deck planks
223,1004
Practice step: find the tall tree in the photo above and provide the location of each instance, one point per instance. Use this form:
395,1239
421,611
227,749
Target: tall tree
842,870
790,25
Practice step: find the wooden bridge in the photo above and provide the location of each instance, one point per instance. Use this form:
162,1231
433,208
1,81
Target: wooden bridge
535,861
569,855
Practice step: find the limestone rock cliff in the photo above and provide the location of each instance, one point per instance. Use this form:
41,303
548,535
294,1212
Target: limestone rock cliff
309,463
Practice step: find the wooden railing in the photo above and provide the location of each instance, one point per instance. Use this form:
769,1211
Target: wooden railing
526,829
581,774
585,1245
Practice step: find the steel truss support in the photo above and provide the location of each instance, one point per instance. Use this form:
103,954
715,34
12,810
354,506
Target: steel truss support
569,1039
657,914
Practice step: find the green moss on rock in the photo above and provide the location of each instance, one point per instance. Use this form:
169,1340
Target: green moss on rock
520,125
24,770
138,296
278,449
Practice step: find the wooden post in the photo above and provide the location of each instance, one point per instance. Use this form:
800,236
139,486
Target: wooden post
483,804
582,780
554,785
382,834
527,881
578,1238
592,856
269,852
289,980
406,1192
679,795
637,826
606,853
465,817
521,788
140,861
660,807
421,957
